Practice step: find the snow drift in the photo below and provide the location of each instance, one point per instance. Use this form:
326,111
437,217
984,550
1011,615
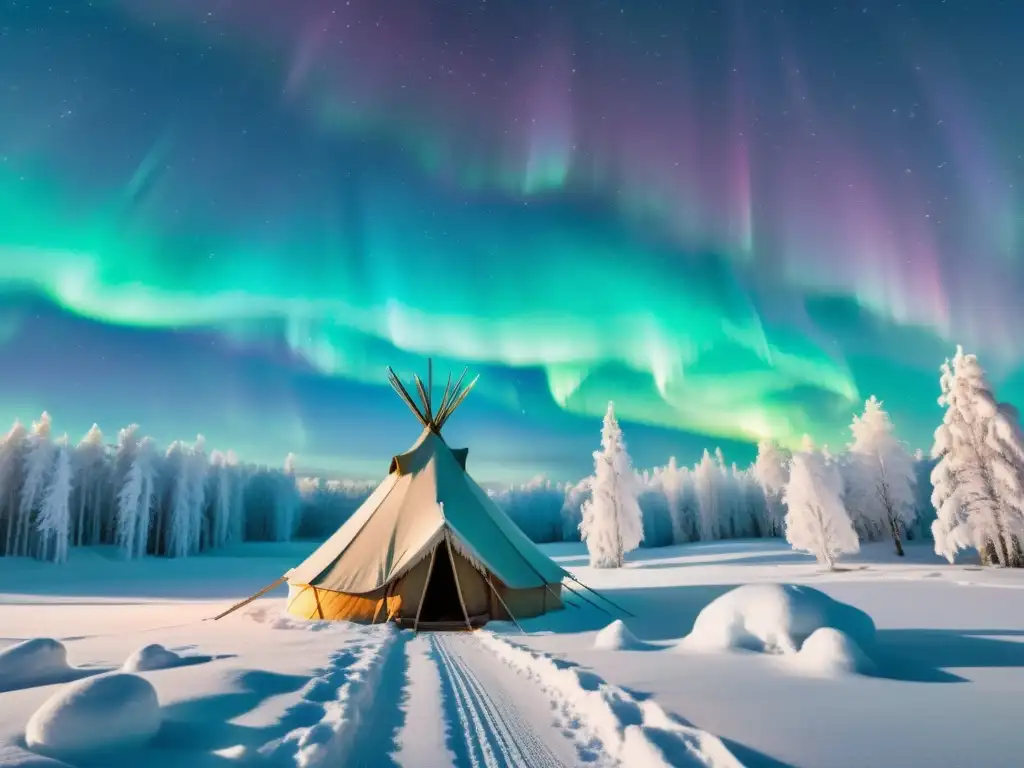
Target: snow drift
39,661
617,637
97,715
830,653
774,618
155,656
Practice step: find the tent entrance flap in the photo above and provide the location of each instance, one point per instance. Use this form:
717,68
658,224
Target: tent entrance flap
441,599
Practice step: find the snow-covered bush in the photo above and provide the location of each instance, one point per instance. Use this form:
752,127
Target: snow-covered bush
774,618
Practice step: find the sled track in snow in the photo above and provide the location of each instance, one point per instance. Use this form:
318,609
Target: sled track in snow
488,726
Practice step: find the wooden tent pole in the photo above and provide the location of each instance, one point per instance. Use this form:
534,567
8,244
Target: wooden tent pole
581,596
455,575
614,605
248,600
503,605
423,594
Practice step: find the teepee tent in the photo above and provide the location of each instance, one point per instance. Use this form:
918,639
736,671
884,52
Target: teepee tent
428,548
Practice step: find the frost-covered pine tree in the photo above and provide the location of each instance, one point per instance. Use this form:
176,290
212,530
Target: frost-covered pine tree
576,495
12,465
136,501
197,468
880,480
54,521
708,481
816,520
179,513
219,500
238,480
89,464
771,467
286,505
38,466
977,482
612,523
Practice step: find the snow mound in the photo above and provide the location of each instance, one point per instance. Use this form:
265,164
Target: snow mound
152,657
774,618
831,653
38,661
617,637
95,715
632,732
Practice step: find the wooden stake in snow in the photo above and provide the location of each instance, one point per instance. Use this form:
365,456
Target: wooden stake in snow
248,600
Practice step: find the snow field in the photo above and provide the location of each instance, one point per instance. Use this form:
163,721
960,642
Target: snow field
948,658
629,731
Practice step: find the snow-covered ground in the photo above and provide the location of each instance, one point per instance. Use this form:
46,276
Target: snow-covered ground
945,678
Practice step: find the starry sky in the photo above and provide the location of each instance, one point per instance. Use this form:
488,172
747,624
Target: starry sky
735,218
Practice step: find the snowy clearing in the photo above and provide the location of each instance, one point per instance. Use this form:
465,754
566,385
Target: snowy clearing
262,688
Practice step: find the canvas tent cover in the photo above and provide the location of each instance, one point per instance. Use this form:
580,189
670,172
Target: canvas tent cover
427,494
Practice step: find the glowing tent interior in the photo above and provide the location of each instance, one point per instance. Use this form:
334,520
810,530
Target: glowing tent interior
428,548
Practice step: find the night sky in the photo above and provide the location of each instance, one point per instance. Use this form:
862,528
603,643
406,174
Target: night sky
736,219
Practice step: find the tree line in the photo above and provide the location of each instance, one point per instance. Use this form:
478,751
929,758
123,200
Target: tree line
968,494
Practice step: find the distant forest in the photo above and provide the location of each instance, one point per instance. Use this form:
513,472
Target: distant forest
184,499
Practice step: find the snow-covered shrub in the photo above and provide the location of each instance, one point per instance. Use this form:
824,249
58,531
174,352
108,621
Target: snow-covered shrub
774,618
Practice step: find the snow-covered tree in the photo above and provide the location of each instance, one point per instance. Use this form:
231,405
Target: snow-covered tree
286,502
816,520
179,518
771,467
977,482
880,480
572,508
612,523
38,466
88,466
12,462
136,501
54,521
219,499
197,465
708,482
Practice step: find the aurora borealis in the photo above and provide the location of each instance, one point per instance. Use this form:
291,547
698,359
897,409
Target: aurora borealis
737,219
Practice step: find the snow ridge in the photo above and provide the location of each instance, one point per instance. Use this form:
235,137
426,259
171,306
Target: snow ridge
630,731
345,694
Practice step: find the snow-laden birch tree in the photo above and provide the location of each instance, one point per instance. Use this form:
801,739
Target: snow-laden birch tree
38,467
816,520
219,494
12,464
880,477
612,523
136,502
708,479
54,521
771,467
977,481
179,514
89,465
